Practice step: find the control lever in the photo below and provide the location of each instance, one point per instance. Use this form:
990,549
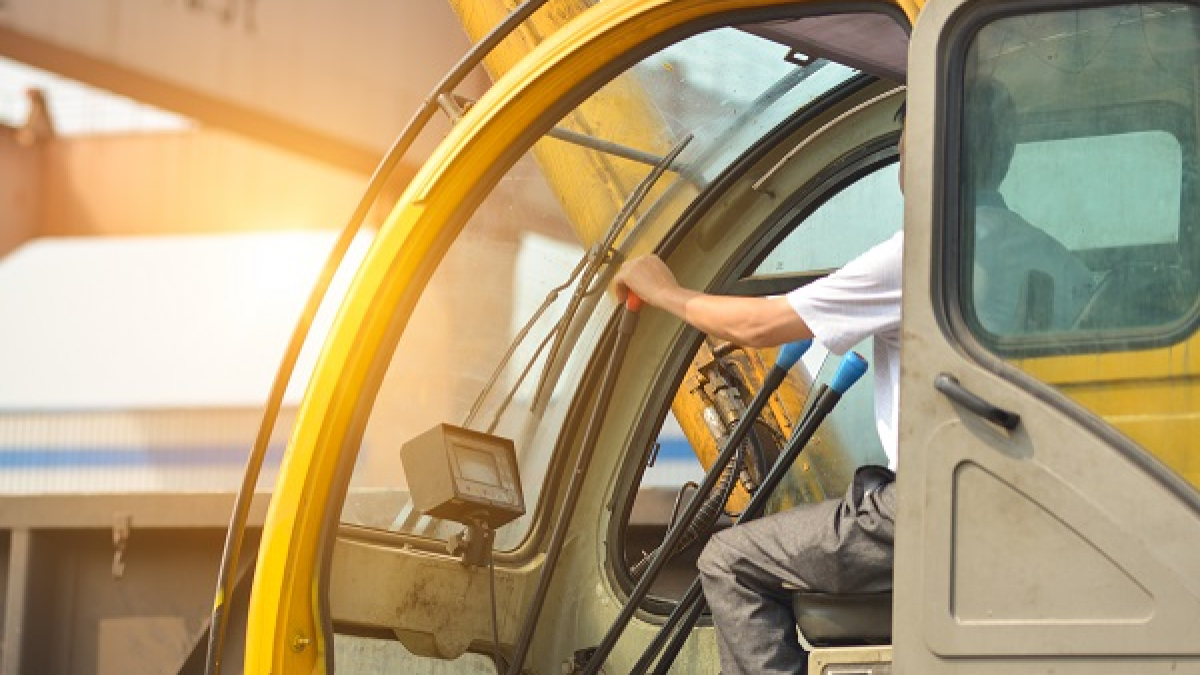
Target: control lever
679,625
788,356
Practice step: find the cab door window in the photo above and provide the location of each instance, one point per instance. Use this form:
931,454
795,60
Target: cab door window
1077,204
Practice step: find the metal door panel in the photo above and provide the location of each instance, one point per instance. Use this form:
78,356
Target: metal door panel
1057,547
1033,557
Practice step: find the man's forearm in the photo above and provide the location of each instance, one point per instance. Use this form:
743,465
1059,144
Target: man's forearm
750,322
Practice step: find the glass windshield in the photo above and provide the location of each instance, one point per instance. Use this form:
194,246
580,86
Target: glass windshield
730,88
497,342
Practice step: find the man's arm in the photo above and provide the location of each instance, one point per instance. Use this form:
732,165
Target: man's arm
750,322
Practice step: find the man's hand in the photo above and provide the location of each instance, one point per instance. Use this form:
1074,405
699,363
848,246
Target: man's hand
647,276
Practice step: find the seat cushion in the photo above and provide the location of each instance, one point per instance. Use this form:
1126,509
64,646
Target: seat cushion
828,619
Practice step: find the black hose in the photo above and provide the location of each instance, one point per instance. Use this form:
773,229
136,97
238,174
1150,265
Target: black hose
710,511
694,604
687,611
772,381
679,624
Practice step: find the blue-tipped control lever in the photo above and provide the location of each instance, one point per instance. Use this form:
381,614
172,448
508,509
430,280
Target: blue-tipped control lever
791,353
679,625
713,503
788,355
850,370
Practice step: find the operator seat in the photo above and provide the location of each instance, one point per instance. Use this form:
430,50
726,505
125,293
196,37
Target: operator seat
827,619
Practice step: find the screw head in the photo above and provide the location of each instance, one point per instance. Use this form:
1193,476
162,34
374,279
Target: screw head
300,643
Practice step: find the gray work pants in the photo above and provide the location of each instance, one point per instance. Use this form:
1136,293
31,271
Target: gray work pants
837,546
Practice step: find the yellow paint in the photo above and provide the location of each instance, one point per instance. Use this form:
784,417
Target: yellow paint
1148,395
783,409
479,18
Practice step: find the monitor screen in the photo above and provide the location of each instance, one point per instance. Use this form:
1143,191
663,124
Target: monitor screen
478,466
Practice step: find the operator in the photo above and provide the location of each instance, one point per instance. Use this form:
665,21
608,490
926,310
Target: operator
840,545
846,545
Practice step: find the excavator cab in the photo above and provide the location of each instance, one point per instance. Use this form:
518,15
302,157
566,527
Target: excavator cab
1048,520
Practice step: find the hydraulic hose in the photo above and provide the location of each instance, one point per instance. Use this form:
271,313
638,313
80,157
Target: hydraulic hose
679,625
714,503
625,328
787,357
706,517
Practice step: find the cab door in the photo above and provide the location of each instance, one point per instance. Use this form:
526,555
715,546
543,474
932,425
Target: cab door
1048,514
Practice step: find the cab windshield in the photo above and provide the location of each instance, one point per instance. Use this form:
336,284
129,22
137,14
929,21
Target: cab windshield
500,338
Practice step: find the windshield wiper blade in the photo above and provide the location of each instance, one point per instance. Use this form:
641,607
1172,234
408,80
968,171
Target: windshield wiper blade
585,272
520,338
602,254
589,259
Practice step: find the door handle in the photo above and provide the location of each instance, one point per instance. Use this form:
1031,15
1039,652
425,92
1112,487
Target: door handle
950,386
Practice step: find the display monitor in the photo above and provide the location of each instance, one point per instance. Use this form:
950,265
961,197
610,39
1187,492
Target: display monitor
464,475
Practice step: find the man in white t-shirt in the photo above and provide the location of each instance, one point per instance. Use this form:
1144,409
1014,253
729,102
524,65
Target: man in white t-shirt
836,546
1024,279
841,545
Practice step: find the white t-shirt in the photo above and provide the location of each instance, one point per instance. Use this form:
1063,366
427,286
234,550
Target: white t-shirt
858,301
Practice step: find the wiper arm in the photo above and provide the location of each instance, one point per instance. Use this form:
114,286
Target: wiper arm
520,338
456,105
592,260
585,271
602,254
